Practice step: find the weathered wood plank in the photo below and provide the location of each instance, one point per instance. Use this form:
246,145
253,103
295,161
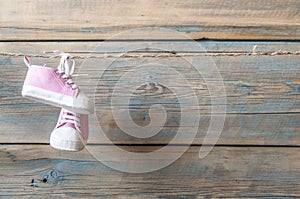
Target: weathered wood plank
214,19
252,129
266,84
236,172
262,95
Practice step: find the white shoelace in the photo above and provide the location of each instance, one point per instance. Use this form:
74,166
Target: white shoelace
69,117
67,70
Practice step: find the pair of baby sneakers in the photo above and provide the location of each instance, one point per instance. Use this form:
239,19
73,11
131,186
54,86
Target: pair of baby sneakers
56,87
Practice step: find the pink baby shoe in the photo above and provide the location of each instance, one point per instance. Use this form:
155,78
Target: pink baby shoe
56,87
71,131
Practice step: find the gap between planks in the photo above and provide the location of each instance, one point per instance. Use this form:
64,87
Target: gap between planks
161,145
155,55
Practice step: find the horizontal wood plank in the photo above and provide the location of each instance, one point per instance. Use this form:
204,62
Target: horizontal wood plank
252,129
262,91
97,20
236,172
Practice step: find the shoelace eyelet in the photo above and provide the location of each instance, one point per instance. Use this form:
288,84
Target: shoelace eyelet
68,117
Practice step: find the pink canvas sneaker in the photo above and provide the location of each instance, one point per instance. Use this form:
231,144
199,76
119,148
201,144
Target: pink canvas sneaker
55,87
71,131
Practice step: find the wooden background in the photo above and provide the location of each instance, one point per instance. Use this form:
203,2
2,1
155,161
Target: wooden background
254,44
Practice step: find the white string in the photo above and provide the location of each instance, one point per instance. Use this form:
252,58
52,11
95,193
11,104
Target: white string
65,69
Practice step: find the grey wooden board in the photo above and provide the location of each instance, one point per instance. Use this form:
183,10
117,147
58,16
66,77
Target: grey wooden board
214,19
234,172
262,93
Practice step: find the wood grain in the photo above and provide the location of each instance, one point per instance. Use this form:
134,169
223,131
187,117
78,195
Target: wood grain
98,20
257,154
236,172
263,103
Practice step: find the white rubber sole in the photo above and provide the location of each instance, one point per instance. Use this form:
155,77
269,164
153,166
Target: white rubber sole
64,145
81,105
67,139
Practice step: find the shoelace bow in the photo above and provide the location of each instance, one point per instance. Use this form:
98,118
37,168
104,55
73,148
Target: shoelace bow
66,70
